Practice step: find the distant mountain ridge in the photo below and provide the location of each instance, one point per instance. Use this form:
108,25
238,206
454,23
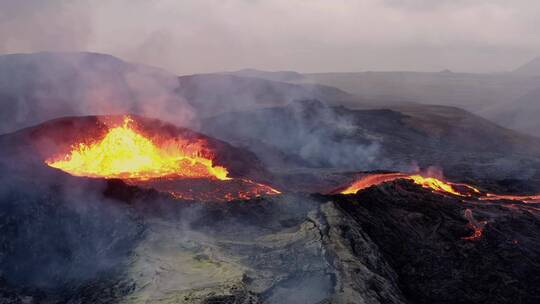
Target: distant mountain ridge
212,94
488,95
531,68
42,86
312,135
286,76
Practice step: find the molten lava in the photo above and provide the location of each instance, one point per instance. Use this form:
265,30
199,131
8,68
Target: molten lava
371,180
125,153
431,183
434,184
522,198
161,159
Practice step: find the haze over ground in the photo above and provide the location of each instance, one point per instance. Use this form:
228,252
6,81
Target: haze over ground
488,39
308,36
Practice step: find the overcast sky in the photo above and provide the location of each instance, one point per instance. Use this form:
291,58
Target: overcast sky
305,35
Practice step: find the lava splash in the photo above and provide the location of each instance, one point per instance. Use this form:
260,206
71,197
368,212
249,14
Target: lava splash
125,153
443,186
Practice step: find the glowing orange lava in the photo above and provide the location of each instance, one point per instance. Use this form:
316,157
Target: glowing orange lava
371,180
426,182
125,153
434,184
523,198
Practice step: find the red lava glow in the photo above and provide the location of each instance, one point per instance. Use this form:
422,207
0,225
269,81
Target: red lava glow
522,198
209,190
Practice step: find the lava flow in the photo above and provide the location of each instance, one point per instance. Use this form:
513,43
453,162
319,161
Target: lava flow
522,198
435,185
442,186
427,182
371,180
180,166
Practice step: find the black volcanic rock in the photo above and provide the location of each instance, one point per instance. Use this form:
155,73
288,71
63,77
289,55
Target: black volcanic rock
423,237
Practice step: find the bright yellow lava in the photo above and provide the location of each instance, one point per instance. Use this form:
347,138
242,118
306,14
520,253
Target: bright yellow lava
434,184
124,153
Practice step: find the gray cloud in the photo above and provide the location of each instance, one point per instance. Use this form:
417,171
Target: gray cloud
318,35
27,26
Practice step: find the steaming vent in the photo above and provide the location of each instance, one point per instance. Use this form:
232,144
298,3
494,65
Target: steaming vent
150,154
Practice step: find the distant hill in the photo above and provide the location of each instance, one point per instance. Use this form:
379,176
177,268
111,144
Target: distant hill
287,76
522,114
531,68
311,135
212,94
42,86
491,96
